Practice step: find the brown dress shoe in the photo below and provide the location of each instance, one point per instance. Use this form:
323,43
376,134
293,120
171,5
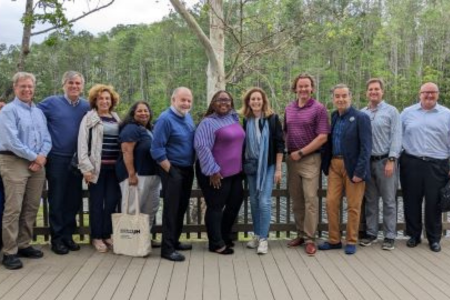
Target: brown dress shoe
296,242
310,248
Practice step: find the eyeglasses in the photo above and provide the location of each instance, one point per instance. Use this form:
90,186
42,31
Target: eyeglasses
223,100
24,87
429,92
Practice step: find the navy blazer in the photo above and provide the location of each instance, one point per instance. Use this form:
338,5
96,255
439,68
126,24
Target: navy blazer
356,144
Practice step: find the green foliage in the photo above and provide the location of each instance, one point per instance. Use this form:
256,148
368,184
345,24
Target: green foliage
268,43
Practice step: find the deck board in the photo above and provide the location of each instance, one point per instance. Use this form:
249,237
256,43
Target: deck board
194,285
312,287
113,278
242,274
284,273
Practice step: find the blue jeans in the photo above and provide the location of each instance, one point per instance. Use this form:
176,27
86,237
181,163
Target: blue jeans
261,205
64,197
104,199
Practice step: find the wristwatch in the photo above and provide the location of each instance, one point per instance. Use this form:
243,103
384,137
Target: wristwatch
300,152
392,158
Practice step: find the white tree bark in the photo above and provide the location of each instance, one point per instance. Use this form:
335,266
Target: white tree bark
214,45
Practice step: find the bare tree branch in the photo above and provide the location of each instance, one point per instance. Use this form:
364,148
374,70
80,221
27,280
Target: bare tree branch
75,19
179,7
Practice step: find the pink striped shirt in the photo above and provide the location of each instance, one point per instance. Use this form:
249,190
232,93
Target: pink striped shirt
303,124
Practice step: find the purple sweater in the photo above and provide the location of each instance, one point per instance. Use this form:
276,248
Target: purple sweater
218,142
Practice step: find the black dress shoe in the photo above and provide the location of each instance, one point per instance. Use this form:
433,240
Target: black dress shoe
174,256
413,242
11,262
71,245
435,247
60,248
183,247
30,252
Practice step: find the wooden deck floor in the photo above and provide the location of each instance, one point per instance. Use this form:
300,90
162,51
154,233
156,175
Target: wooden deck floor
281,274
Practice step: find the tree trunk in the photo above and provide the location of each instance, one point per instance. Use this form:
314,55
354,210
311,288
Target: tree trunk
213,46
216,75
26,37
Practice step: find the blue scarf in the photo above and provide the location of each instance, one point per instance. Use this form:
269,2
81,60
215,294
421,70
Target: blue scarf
258,149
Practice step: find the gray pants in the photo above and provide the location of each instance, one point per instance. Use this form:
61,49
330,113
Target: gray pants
386,187
149,187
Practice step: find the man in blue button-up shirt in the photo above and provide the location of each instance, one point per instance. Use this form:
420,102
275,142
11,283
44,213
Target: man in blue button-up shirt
24,146
424,164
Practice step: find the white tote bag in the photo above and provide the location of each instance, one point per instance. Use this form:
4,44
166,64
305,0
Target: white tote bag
131,232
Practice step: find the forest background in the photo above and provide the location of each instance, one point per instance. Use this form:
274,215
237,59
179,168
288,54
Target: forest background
267,44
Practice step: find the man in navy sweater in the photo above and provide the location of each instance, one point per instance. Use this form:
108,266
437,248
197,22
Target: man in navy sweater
173,149
64,114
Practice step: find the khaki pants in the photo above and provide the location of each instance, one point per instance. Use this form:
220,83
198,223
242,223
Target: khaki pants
23,189
337,182
303,181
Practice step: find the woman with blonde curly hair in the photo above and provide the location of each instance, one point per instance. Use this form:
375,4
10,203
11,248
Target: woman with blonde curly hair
98,151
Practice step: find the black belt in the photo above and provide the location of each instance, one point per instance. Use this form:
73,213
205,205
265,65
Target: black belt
338,156
5,152
426,158
379,157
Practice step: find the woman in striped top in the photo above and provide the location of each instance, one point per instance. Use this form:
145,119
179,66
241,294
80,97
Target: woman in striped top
98,150
218,142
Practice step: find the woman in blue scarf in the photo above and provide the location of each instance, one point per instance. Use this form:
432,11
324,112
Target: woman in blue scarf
264,148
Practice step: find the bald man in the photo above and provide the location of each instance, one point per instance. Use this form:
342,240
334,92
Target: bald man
173,149
424,166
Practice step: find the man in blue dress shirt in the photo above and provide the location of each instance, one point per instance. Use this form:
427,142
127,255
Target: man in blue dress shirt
424,166
24,146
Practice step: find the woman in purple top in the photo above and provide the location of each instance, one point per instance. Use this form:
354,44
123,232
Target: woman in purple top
264,147
218,142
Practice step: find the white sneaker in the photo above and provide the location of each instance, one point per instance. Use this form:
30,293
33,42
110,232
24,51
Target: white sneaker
263,246
254,242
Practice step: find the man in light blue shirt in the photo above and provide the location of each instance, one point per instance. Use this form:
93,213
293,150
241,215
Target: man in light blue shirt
386,147
24,146
424,166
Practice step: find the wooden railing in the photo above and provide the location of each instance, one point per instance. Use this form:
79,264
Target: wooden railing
194,227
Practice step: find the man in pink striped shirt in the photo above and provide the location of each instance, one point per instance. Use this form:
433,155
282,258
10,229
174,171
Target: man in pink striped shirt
306,128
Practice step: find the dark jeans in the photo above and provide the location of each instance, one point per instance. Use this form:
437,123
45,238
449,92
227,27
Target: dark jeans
177,186
420,179
222,207
64,197
2,206
104,199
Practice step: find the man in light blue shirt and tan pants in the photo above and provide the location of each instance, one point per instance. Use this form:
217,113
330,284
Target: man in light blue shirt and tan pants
424,166
24,145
